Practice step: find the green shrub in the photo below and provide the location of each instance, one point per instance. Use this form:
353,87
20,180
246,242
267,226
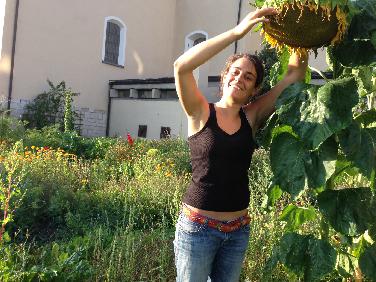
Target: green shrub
63,261
52,136
45,109
11,129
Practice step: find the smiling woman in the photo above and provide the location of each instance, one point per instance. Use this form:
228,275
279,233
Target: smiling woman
242,64
213,228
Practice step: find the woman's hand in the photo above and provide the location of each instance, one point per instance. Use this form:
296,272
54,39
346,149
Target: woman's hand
297,67
253,18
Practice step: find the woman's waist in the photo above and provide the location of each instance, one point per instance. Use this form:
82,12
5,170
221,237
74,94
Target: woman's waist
218,215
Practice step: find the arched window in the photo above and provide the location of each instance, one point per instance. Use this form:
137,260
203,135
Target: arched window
195,38
113,51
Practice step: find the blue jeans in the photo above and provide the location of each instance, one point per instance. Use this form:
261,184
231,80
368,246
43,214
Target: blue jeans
202,252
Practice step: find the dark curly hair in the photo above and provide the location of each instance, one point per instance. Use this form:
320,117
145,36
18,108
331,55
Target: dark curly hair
253,59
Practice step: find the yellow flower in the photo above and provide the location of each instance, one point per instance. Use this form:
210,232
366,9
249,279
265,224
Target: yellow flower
33,147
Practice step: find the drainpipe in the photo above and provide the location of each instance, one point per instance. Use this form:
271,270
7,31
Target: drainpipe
108,110
13,54
237,22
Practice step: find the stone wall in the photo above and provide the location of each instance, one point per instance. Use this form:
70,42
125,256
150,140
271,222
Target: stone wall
90,122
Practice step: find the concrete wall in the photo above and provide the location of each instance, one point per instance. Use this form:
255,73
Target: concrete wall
62,40
128,114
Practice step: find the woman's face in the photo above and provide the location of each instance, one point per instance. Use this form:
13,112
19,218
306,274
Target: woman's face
239,82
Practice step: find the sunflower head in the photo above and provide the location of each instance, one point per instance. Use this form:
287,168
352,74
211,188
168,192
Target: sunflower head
304,25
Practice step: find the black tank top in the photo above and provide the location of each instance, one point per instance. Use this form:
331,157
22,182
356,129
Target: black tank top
220,163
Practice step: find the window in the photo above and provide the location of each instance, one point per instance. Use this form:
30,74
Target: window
142,131
113,52
112,43
198,40
165,132
195,38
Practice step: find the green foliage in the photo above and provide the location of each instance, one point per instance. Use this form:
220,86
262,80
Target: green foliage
349,211
112,217
308,257
279,69
11,129
287,163
45,108
68,112
367,262
322,144
269,57
295,216
316,113
12,173
53,262
358,40
48,107
52,136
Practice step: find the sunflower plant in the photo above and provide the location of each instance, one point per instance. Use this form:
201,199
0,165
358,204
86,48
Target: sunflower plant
322,133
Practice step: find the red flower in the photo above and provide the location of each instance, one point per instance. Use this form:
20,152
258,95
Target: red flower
130,140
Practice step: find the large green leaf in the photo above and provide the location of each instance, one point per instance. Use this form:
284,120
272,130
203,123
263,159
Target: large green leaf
364,80
294,167
367,118
287,163
296,216
347,210
315,113
273,194
372,231
357,48
279,69
363,53
322,259
305,255
333,63
367,263
359,146
264,138
322,163
373,39
292,252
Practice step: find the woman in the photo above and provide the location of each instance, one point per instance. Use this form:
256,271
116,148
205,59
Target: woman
212,231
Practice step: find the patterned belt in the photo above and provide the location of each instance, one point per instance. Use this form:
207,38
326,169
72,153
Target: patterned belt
223,226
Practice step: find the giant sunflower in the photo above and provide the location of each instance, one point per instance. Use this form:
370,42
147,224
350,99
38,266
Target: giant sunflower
305,24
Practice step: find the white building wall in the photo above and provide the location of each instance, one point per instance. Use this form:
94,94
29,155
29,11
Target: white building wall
128,114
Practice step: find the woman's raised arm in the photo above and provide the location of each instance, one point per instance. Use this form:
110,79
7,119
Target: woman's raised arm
190,96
